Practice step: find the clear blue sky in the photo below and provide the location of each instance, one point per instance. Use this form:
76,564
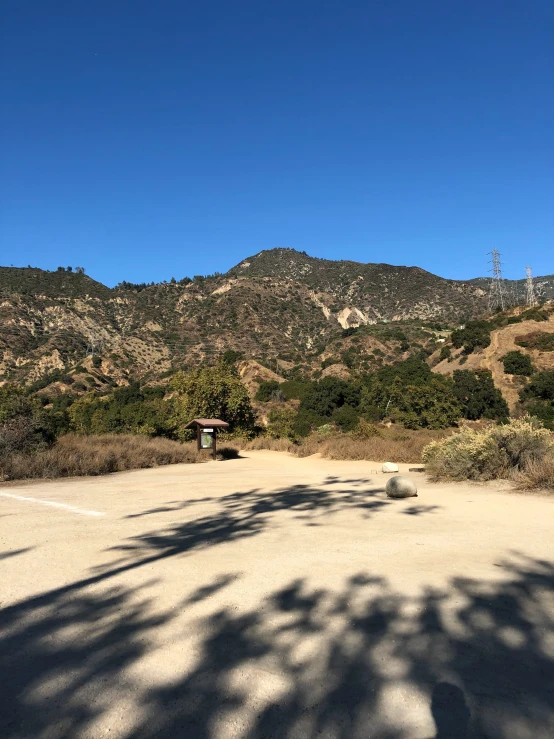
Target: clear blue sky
146,139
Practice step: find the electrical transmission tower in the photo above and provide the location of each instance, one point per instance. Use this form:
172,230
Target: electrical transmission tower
497,298
530,297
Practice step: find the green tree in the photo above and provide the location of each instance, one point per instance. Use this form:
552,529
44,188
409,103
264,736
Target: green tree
430,406
346,418
540,386
268,390
474,334
517,363
24,424
538,397
14,402
231,357
325,396
128,410
281,423
478,396
211,392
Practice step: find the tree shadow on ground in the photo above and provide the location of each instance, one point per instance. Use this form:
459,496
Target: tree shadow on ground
364,661
14,552
248,513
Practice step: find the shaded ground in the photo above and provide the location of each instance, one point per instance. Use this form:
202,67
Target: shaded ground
275,597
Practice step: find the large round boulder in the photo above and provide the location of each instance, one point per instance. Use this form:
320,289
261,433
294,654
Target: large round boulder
401,487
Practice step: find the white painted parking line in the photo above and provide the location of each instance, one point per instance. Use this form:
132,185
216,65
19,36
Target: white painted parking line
53,504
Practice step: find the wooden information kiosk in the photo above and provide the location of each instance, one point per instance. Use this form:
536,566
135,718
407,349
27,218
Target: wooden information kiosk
206,432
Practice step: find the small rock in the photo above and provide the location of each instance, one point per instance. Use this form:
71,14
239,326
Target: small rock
390,467
401,487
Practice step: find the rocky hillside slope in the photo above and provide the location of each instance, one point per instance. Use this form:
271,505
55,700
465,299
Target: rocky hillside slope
281,307
515,337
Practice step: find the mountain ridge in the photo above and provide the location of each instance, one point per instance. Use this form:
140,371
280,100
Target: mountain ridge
278,305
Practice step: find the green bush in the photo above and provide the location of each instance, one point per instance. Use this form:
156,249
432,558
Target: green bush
281,423
346,418
306,421
365,430
538,397
544,412
268,390
431,406
128,410
231,357
295,389
24,424
474,334
540,386
517,363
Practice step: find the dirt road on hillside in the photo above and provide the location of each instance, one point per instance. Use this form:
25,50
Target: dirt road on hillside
274,597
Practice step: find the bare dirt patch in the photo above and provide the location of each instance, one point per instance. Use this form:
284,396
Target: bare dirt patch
272,596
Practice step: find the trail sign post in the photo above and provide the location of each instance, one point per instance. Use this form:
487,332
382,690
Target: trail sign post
206,432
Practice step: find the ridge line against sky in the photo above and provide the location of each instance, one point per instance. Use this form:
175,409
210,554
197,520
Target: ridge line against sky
251,256
149,140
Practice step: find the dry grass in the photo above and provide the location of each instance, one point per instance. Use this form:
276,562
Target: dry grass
392,445
73,456
266,442
387,445
537,475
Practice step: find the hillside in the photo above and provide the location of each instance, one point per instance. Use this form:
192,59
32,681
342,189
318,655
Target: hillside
281,307
544,287
58,284
367,293
515,337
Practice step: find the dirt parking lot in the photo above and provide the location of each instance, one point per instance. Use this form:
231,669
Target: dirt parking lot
272,597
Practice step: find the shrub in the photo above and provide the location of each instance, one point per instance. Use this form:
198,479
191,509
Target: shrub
96,361
541,386
23,417
230,357
127,410
294,389
281,423
268,390
18,435
544,412
446,352
365,430
517,363
305,422
537,475
97,455
268,442
346,418
490,453
544,342
474,334
387,445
